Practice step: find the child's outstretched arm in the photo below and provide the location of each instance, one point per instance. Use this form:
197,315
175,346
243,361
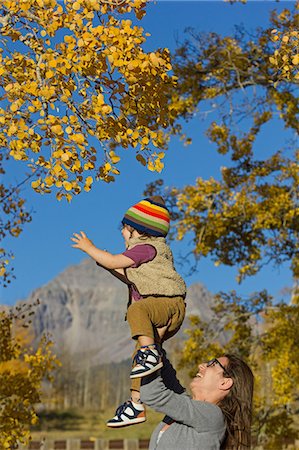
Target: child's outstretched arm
102,257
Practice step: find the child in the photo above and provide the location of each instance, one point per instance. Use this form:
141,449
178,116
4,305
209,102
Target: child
156,292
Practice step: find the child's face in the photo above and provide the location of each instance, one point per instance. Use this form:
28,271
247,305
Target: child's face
126,233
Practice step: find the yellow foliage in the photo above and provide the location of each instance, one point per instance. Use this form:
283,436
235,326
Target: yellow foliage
74,75
22,371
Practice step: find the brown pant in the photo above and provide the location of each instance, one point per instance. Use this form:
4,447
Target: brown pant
150,313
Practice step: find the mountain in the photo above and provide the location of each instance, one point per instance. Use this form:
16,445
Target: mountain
83,308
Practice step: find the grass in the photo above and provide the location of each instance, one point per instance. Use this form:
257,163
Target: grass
75,424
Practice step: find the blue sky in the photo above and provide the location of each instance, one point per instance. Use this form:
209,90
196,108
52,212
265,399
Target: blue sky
44,249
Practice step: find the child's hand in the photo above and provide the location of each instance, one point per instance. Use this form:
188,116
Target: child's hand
81,241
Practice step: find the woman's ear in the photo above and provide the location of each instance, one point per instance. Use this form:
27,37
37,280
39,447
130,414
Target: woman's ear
226,384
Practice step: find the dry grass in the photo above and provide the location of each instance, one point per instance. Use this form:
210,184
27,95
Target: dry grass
75,424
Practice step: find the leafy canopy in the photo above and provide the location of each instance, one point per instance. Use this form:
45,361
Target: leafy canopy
76,88
250,215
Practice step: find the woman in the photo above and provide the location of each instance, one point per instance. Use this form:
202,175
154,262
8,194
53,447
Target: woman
217,416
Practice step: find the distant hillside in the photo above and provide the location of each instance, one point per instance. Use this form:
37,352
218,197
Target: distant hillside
83,308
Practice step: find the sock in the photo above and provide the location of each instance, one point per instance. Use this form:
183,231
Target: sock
144,347
138,406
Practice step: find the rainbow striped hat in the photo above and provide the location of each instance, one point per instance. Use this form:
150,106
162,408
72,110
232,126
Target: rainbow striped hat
149,216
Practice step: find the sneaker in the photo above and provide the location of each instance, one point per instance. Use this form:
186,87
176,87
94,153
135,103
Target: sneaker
147,361
127,414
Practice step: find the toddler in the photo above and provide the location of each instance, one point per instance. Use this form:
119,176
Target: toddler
156,308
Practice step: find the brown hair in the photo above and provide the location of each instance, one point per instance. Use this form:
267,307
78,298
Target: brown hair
237,405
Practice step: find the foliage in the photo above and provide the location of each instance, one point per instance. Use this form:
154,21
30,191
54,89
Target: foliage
22,371
260,333
249,216
76,87
11,222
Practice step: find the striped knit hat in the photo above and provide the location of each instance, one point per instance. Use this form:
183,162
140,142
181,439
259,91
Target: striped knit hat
149,216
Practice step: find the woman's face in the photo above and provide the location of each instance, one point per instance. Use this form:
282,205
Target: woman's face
209,381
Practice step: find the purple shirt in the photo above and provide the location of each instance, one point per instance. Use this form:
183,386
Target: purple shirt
140,254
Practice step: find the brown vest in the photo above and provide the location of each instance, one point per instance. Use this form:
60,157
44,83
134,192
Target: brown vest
157,277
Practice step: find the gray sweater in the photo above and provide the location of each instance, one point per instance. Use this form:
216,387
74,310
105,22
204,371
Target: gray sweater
198,425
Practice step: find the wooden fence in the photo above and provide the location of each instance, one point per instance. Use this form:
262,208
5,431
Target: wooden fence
95,444
116,444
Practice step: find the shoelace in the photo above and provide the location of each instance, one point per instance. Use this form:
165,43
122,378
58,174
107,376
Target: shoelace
140,357
122,408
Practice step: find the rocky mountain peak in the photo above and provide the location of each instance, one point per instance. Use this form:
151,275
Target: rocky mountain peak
83,308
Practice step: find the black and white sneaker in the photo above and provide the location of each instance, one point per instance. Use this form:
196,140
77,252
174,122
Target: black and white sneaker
148,360
128,414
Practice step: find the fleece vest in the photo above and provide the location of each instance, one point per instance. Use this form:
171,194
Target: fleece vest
157,277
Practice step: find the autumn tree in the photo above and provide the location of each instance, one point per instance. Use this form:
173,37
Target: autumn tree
250,215
77,89
247,217
22,370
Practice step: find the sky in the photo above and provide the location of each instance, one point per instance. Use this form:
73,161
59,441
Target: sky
43,250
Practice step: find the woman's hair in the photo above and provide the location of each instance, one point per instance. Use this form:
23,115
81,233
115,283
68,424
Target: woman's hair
237,405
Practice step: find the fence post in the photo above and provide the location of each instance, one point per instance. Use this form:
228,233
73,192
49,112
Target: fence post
131,444
73,444
47,444
101,444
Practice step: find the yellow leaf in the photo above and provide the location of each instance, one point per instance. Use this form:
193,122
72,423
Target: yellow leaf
272,60
65,156
76,6
57,129
49,181
14,107
154,59
57,169
78,138
53,63
67,185
36,183
50,74
115,159
145,140
151,166
295,59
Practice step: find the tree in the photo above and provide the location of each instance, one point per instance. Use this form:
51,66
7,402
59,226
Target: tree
249,216
76,89
22,371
